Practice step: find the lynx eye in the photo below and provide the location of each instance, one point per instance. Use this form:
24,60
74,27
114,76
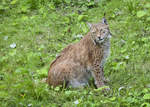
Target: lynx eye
93,31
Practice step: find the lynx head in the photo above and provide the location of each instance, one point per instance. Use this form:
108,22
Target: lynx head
100,32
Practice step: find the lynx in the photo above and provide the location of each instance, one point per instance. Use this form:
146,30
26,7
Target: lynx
78,62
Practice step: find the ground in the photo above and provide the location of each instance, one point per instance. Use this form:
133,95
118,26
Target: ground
31,39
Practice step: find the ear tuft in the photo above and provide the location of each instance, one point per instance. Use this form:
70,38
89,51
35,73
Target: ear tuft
104,21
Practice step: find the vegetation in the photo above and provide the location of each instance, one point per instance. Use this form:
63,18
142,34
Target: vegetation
33,32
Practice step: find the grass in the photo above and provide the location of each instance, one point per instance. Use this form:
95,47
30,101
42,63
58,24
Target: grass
40,35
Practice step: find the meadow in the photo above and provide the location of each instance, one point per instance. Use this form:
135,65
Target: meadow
33,32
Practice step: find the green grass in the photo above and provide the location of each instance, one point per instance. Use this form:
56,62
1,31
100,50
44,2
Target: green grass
40,35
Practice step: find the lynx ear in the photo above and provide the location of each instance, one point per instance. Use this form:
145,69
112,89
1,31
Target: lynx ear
89,25
104,21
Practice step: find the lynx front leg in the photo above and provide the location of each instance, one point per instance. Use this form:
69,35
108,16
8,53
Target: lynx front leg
98,76
102,75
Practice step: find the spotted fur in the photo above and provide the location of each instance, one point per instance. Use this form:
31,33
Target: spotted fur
78,62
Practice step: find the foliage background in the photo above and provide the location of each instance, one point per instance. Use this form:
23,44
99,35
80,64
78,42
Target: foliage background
33,32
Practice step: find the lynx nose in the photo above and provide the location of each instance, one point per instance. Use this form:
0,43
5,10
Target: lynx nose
100,38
